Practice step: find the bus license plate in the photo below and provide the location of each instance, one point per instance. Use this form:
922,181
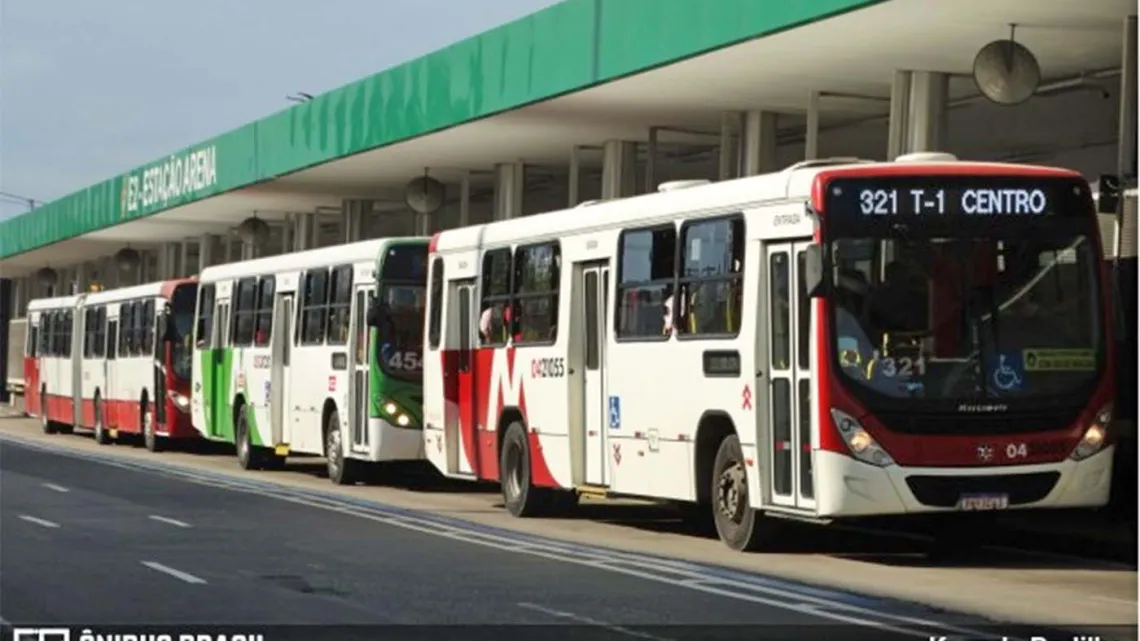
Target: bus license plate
978,502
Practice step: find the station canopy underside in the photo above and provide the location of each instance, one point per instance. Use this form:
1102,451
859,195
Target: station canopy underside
855,51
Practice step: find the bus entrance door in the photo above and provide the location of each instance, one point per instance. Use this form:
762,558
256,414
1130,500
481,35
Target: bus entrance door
460,431
279,368
593,283
786,430
360,400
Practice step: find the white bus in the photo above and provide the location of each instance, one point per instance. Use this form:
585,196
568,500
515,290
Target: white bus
840,339
116,362
289,363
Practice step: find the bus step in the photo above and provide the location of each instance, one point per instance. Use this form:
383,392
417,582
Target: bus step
593,491
281,450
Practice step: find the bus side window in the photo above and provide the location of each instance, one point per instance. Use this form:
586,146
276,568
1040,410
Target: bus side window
435,299
244,313
314,306
204,328
535,291
32,340
264,326
712,270
69,325
647,261
147,317
101,332
112,339
340,305
495,323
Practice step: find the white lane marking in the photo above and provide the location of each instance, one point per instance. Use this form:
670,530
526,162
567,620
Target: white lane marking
58,488
601,559
39,521
577,618
169,521
1112,599
178,574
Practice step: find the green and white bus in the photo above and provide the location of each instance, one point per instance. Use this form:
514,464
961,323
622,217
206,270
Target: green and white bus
314,353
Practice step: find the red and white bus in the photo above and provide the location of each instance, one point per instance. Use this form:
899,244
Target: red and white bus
115,362
840,339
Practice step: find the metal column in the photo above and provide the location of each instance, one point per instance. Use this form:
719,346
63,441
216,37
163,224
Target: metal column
184,260
619,169
758,143
509,183
927,118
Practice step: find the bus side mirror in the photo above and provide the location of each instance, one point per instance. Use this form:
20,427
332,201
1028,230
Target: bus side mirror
813,271
373,318
1108,194
169,333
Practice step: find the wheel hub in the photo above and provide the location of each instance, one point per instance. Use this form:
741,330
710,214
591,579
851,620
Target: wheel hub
732,492
514,473
334,452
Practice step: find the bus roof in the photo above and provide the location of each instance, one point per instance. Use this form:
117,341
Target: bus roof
152,290
794,183
58,302
366,250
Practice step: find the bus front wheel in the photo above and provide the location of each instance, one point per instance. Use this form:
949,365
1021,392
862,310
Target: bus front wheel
741,527
342,470
520,496
46,424
246,454
101,435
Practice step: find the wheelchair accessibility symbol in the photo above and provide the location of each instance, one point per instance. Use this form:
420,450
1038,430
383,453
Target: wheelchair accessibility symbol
1007,375
615,412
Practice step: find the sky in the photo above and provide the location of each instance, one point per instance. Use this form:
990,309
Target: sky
90,90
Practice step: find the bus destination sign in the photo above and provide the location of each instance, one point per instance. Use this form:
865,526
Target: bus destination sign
892,197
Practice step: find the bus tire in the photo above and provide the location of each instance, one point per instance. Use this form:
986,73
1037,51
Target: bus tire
248,456
150,439
342,470
102,437
739,526
520,496
46,424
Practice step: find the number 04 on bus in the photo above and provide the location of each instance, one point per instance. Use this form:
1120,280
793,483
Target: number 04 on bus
835,340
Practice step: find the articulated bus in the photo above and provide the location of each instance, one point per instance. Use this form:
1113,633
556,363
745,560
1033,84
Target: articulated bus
841,339
115,362
314,353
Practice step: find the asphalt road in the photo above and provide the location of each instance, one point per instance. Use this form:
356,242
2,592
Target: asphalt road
87,543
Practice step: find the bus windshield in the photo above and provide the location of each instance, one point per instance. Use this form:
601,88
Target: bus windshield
182,317
968,310
402,299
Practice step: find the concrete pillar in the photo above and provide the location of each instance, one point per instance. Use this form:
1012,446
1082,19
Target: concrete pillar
928,116
897,125
758,142
619,169
465,199
509,182
811,139
287,235
83,276
206,251
727,165
354,214
184,268
305,232
248,250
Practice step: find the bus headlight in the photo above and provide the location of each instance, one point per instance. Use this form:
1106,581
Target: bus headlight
1095,436
859,442
395,413
181,401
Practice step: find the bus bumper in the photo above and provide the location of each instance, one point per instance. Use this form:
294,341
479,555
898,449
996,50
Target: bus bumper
847,487
390,443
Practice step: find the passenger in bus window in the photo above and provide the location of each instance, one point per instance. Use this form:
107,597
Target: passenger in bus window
667,327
